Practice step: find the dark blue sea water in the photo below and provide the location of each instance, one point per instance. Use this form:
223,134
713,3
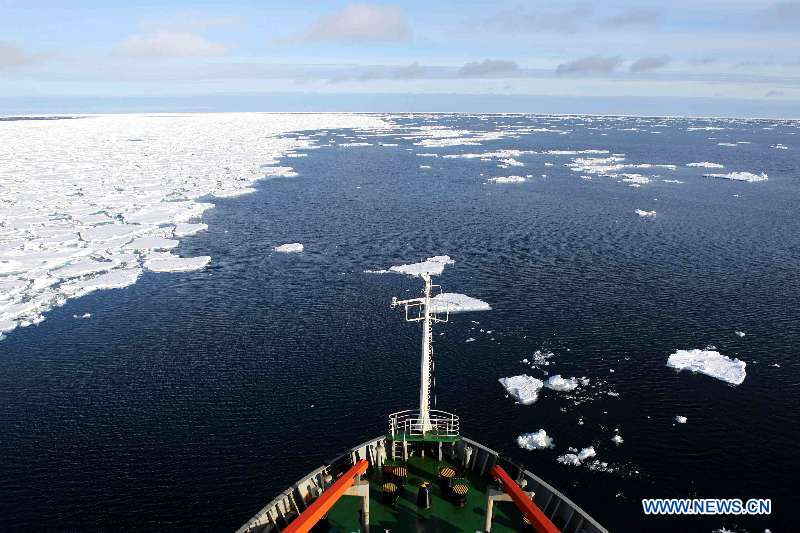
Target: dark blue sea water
188,400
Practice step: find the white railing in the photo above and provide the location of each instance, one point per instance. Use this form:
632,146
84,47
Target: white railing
410,422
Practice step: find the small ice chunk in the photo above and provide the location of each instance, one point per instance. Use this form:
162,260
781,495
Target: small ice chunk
711,363
617,439
569,459
471,339
290,248
524,388
457,303
740,333
83,316
680,419
586,453
535,441
643,213
556,382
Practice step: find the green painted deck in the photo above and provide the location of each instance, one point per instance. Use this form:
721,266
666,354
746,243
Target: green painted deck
443,515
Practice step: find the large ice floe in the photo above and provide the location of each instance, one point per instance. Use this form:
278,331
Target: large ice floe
453,302
507,179
739,176
535,441
524,388
86,204
711,363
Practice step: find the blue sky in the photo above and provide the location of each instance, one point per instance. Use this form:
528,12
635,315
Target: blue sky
734,50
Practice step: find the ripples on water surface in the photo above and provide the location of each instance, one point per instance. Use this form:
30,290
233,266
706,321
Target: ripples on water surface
193,398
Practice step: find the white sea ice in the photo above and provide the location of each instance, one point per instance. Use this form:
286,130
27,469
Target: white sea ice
453,302
740,333
507,179
535,441
681,419
617,439
525,389
711,363
557,383
643,213
705,164
184,229
569,459
433,266
75,193
780,146
290,248
739,176
172,263
586,453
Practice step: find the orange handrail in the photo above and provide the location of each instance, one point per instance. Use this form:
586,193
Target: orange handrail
327,499
538,519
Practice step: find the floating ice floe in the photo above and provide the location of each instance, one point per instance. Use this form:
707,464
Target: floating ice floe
740,333
711,363
780,146
524,388
535,441
507,179
617,439
453,302
432,266
424,166
739,176
290,248
471,339
578,457
172,263
185,229
705,164
727,144
557,383
681,419
83,316
643,213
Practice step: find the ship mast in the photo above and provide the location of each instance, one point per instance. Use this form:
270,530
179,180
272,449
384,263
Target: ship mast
420,310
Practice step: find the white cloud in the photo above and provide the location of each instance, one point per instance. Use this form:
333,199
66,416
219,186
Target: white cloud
360,23
168,44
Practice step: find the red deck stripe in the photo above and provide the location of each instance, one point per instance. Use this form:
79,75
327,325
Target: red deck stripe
538,519
323,504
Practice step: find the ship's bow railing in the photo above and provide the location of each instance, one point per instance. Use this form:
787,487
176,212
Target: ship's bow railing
411,423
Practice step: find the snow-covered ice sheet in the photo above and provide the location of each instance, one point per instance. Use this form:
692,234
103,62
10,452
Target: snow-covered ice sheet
86,203
711,363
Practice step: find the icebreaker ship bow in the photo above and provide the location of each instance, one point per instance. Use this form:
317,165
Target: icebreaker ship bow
423,475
